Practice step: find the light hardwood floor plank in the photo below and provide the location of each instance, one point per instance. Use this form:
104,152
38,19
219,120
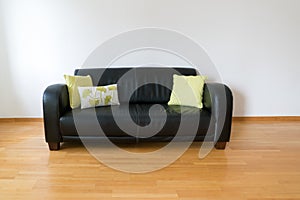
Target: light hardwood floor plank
261,162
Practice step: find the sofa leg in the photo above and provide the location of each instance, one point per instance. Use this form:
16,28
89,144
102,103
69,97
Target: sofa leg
54,146
220,145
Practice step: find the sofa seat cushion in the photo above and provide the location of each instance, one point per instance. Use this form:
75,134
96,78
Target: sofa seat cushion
166,117
175,115
85,118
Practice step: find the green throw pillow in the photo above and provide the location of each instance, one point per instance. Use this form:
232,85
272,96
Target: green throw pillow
98,96
73,82
187,91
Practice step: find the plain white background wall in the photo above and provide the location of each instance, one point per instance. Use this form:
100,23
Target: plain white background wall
255,45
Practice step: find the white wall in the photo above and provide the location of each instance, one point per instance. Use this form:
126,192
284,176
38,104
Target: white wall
255,45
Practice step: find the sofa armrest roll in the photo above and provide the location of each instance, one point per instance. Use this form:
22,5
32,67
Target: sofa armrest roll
55,104
218,99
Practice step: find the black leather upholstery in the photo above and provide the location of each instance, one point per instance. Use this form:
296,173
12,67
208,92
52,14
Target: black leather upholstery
129,79
140,115
217,99
55,104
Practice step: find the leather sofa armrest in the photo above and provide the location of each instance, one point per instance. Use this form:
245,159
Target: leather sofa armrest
55,104
217,98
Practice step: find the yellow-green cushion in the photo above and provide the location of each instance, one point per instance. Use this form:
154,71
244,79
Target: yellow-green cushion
73,82
187,91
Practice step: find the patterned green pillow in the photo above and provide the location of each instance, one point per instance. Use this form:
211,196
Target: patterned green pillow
98,96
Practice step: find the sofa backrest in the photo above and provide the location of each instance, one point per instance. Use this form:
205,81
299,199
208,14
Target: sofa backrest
138,85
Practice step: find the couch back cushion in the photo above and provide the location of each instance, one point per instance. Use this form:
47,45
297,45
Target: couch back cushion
138,85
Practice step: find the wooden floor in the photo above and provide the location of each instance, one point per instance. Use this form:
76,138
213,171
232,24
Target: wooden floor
262,161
